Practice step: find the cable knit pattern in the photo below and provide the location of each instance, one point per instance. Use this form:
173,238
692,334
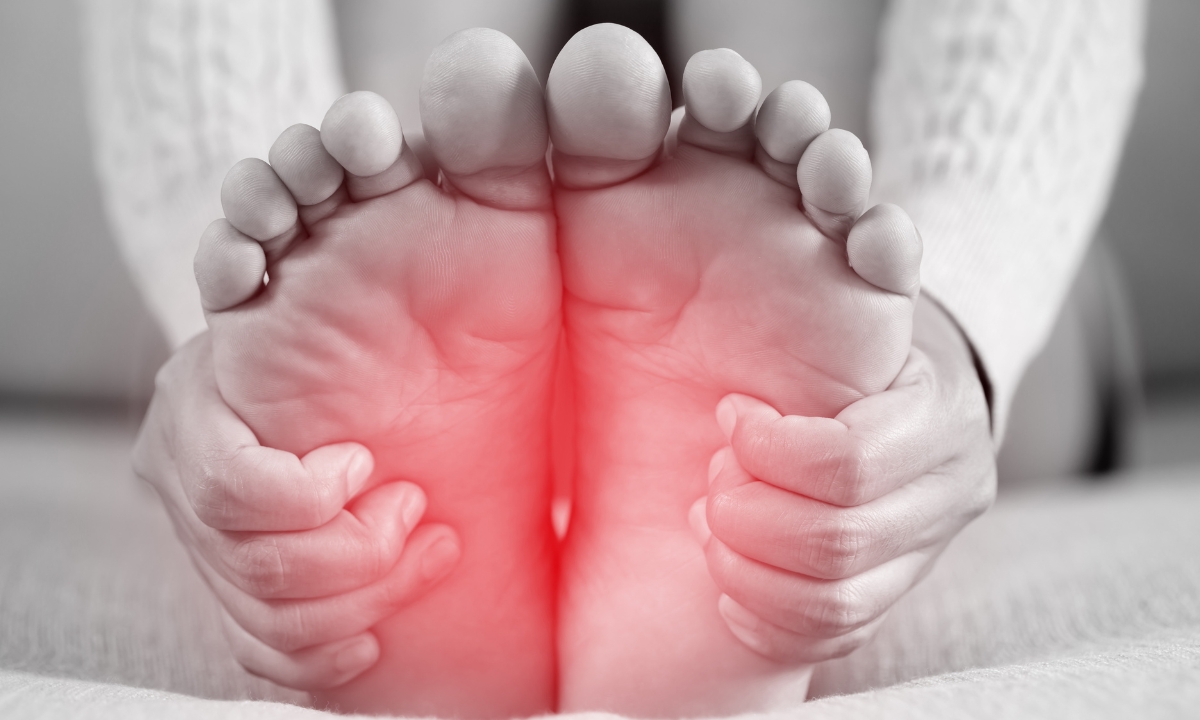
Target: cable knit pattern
180,90
998,124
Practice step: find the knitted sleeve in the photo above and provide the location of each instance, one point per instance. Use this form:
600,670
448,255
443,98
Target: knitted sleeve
178,91
998,124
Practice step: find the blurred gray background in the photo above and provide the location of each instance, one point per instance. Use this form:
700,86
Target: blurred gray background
73,331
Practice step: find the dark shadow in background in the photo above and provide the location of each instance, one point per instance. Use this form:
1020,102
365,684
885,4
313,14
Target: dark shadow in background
646,17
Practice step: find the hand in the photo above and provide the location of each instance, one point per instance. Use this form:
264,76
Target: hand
303,556
818,526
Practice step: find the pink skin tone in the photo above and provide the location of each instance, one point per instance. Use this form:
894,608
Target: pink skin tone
762,600
422,322
686,279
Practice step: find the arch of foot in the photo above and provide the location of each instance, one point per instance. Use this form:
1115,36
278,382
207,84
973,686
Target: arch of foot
358,153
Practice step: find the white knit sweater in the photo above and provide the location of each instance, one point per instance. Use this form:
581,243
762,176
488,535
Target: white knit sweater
997,124
179,91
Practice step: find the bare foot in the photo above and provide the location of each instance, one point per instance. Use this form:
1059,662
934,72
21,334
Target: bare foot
422,322
724,268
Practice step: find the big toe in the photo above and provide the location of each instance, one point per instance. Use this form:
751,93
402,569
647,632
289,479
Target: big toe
609,107
485,119
834,175
884,248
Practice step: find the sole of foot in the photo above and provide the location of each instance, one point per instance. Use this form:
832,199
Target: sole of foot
423,322
740,262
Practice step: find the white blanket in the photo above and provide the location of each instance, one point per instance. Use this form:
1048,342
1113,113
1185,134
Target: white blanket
1081,603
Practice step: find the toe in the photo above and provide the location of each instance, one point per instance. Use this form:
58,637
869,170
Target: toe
361,131
257,203
720,91
304,165
791,117
608,105
884,248
834,175
485,120
229,266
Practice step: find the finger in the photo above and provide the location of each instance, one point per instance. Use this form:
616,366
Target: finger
808,606
359,546
785,646
316,668
801,535
233,483
871,448
289,625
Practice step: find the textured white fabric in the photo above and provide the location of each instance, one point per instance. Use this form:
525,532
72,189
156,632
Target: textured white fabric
998,125
1081,603
178,91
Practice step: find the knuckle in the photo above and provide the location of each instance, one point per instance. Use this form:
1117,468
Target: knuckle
837,610
836,549
209,495
259,567
322,502
851,476
723,566
286,628
722,511
848,643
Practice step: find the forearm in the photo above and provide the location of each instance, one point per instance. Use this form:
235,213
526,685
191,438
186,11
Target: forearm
177,93
1000,134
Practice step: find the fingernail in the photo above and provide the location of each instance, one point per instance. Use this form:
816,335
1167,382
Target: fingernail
356,656
736,614
742,623
439,558
412,507
698,519
358,471
726,417
716,464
